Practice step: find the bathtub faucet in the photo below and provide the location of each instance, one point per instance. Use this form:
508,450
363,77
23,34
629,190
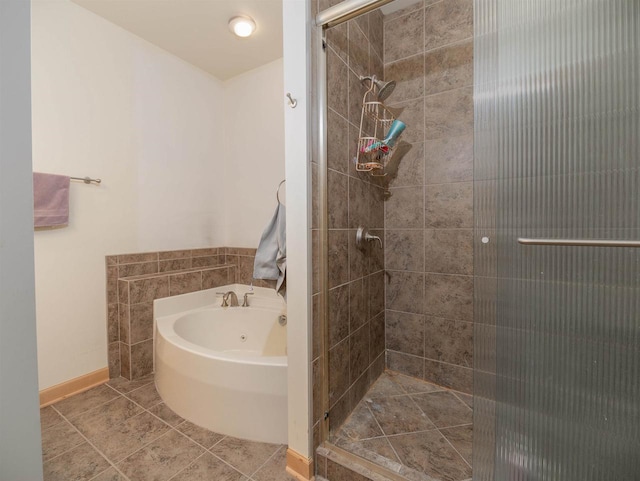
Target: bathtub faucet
229,296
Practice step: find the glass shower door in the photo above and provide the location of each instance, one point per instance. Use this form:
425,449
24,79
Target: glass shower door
557,167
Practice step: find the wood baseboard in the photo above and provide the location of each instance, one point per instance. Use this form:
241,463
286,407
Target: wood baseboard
299,466
73,386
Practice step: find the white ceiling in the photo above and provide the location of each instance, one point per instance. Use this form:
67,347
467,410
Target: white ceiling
197,30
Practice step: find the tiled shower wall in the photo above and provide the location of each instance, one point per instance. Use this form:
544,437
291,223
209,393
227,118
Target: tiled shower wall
134,281
428,50
356,277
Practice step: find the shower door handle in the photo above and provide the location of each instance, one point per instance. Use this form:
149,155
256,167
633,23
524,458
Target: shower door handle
578,242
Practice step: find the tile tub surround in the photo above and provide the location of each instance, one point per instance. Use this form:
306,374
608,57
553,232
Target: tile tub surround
134,281
122,431
428,50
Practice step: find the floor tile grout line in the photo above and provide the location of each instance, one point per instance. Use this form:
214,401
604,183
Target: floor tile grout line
454,448
111,463
188,465
92,407
265,463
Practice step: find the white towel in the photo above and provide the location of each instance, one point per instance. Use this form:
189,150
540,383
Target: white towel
271,256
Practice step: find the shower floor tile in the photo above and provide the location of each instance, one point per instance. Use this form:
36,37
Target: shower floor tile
412,427
122,431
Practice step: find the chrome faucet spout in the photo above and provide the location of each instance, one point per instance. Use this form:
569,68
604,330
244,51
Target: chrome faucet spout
229,297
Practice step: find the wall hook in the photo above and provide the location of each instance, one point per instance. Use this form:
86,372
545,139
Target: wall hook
293,103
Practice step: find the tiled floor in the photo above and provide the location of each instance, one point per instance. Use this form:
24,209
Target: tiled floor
123,431
413,428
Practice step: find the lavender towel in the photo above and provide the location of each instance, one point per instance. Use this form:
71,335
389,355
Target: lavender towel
50,200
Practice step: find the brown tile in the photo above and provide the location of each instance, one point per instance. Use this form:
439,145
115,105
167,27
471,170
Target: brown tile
410,166
465,398
275,468
338,41
200,435
450,114
358,306
376,293
405,209
413,385
49,417
124,323
185,283
359,388
449,206
141,322
166,414
449,67
180,254
123,291
205,261
80,464
337,142
142,257
146,396
338,412
245,456
360,425
161,459
338,258
449,296
444,409
449,375
315,262
338,371
405,332
111,260
174,265
124,385
59,439
358,49
207,251
208,468
404,250
247,251
408,74
338,314
316,327
112,284
448,22
449,341
109,475
113,359
245,270
338,472
379,446
85,401
359,352
338,191
124,439
215,278
337,72
376,33
358,257
405,292
377,335
358,203
385,386
418,4
462,440
141,359
449,251
113,333
442,461
405,364
399,414
125,360
376,209
128,270
147,290
104,417
449,160
316,380
413,116
403,36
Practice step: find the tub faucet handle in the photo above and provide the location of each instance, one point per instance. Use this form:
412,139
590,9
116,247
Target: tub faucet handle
226,296
246,300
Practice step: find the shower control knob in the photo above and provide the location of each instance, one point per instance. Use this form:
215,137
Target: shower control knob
363,236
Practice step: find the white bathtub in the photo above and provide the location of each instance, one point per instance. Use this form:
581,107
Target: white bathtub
224,369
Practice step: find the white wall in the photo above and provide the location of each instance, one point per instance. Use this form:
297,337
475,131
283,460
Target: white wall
20,449
254,115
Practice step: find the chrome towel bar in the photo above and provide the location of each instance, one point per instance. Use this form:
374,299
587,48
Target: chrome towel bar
578,242
87,180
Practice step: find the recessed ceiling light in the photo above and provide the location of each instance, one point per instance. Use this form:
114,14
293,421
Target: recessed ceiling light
242,26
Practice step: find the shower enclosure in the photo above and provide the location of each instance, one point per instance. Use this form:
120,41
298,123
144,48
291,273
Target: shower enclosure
501,317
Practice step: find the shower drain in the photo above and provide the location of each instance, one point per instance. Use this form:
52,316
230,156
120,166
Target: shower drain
243,337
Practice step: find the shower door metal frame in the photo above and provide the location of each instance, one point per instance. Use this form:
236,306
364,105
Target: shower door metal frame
340,13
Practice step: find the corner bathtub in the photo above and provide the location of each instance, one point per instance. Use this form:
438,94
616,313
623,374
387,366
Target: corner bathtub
224,369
